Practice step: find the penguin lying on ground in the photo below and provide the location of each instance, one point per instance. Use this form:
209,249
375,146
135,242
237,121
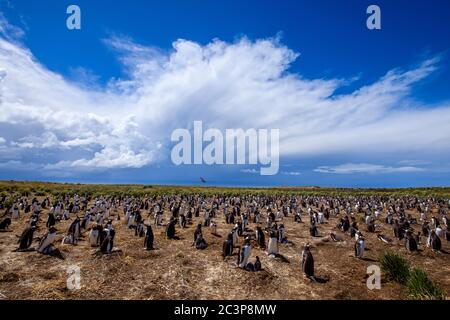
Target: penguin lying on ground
384,238
335,237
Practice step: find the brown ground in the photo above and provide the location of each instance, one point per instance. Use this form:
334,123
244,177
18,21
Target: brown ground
178,271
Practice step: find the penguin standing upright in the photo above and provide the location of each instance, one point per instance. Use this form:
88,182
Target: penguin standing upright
213,227
308,262
140,231
26,238
273,244
235,236
94,236
148,241
108,240
359,247
257,264
170,229
74,230
244,254
260,239
197,232
435,241
50,220
313,230
410,243
227,247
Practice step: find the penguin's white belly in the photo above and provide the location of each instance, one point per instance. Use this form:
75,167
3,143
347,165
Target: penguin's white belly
246,255
273,246
93,236
47,241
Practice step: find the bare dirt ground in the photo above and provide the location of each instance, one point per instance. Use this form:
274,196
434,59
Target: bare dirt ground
176,270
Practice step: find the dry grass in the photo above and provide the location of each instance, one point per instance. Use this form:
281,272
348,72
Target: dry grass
175,270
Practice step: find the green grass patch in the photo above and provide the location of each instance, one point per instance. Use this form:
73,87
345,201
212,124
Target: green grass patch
395,267
420,287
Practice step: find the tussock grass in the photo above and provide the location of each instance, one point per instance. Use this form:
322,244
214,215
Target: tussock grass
395,267
420,287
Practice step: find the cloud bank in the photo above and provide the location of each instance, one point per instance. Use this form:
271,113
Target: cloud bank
58,124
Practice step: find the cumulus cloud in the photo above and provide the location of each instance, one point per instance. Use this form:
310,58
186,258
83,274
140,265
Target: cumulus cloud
245,84
350,168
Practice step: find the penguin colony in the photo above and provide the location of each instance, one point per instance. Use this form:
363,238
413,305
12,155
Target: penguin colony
251,233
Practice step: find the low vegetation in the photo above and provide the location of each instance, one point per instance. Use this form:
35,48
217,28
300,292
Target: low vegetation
395,267
421,287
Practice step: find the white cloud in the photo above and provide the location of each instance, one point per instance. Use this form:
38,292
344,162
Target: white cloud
291,173
8,30
414,162
350,168
245,84
252,171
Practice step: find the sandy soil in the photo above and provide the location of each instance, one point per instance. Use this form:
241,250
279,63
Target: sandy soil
176,270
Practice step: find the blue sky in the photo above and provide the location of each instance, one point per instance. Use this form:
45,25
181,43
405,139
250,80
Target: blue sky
355,107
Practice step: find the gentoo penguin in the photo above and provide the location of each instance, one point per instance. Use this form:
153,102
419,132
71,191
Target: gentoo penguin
94,235
282,234
66,215
148,241
26,238
15,212
320,217
213,227
140,230
335,237
435,242
260,239
227,247
308,262
257,264
5,223
410,243
198,231
440,232
239,228
50,220
313,230
235,237
359,246
297,217
384,238
182,220
200,243
132,221
170,229
46,243
417,238
244,253
108,241
426,229
273,244
74,230
371,225
399,232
